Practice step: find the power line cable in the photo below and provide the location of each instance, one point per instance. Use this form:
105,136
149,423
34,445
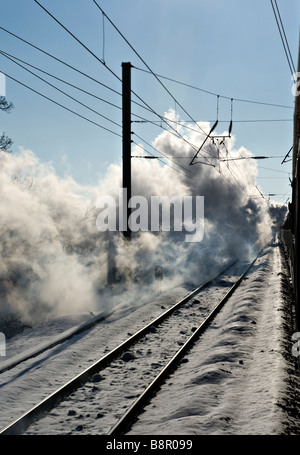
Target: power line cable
275,178
230,170
73,68
143,120
70,66
157,78
165,156
81,116
101,61
61,105
216,94
63,92
98,125
60,80
67,30
251,120
253,158
148,67
182,123
230,167
274,170
61,61
285,44
285,37
92,53
159,159
144,62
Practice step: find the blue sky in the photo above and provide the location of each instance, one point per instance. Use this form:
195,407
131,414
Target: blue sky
228,47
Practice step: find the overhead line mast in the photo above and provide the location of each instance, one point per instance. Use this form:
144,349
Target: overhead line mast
126,160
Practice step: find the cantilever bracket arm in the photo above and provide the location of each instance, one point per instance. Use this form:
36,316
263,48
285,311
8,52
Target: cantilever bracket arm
212,129
286,156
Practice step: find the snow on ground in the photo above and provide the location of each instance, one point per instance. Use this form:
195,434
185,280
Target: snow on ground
240,377
236,380
33,380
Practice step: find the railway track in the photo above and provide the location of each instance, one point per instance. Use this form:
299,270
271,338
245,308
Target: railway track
85,404
58,340
65,336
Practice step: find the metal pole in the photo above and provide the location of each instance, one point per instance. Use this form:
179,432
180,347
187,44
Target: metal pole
126,119
295,200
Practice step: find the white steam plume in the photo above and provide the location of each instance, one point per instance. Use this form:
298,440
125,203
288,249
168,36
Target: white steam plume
54,260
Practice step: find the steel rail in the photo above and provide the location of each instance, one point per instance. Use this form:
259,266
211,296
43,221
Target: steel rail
65,336
20,424
126,421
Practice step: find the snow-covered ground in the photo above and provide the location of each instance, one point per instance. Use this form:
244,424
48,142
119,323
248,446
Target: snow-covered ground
239,379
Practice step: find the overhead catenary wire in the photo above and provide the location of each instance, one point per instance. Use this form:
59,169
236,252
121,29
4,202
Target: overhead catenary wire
251,158
59,104
274,170
208,135
161,76
183,122
283,38
176,102
83,117
101,61
63,92
230,182
234,159
158,81
149,69
143,120
71,67
144,62
161,153
70,110
241,100
61,61
78,40
51,75
230,168
60,80
213,128
159,159
78,71
207,160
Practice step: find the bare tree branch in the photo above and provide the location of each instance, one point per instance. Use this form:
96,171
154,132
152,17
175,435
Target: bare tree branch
5,105
5,143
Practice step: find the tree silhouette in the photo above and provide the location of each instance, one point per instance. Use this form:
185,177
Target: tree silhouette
5,141
5,105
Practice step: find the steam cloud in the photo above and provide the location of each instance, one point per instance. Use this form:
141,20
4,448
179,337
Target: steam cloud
54,260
